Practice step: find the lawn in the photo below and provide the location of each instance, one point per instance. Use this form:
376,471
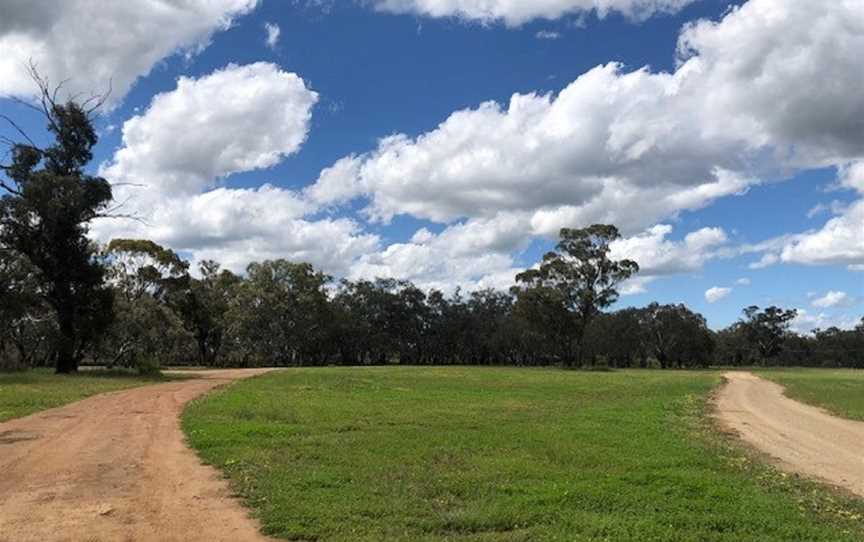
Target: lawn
483,454
840,391
23,393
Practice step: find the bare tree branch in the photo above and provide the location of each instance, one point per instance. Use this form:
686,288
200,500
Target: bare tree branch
96,101
8,188
20,131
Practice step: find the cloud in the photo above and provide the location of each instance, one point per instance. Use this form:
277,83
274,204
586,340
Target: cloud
239,118
715,294
520,12
94,43
273,32
836,207
475,254
838,242
174,154
336,184
734,112
766,261
479,253
659,256
743,282
833,299
807,322
547,35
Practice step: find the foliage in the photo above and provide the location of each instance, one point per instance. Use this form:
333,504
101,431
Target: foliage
202,306
766,329
27,324
571,286
290,314
279,314
143,275
672,336
44,217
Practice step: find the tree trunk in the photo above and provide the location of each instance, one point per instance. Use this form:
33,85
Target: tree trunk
66,360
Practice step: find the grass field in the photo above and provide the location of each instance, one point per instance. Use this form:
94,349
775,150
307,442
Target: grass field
840,391
23,393
480,454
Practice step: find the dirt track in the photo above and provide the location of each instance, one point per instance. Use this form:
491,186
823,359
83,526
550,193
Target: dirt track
114,467
802,438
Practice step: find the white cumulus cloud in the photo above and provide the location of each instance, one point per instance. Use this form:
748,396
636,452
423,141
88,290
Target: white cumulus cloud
715,294
472,255
807,322
840,241
833,299
93,43
657,255
614,141
517,12
173,156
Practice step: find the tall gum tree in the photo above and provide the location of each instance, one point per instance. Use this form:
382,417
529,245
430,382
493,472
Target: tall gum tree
572,285
47,204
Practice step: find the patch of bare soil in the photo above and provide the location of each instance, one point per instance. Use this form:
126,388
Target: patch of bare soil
115,467
802,438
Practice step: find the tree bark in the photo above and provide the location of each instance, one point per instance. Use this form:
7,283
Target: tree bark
66,360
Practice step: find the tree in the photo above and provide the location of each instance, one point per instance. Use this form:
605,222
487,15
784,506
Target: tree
146,330
26,323
576,282
765,329
618,338
733,346
279,314
202,306
139,267
45,216
674,334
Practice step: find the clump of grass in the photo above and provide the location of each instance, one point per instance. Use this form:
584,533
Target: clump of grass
476,454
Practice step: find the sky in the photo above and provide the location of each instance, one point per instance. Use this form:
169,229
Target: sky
447,141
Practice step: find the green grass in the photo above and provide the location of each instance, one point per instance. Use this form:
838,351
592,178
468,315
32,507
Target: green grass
840,391
476,454
23,393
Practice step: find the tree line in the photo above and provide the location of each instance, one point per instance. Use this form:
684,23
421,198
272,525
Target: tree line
65,301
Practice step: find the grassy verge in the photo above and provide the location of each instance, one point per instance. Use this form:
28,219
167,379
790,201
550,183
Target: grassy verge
473,454
840,391
23,393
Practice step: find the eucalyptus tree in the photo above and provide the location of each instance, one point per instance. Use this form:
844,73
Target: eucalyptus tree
572,285
202,306
618,339
279,314
46,209
27,324
675,335
766,329
146,329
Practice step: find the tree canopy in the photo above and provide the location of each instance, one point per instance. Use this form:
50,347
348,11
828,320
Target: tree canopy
45,216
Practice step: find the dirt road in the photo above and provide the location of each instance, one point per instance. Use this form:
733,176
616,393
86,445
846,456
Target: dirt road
114,467
802,438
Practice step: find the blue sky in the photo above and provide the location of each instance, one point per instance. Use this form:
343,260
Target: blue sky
740,147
